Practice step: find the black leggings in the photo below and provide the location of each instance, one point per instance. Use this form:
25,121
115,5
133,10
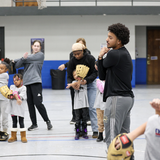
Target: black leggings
21,121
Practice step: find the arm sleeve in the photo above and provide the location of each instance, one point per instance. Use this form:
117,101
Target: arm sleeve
4,76
70,69
101,70
38,57
23,93
19,62
109,61
93,71
100,85
11,87
66,64
34,57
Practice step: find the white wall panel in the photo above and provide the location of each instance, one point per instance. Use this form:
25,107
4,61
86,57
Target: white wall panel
60,32
141,39
5,3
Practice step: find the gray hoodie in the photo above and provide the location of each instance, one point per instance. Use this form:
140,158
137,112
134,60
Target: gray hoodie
32,68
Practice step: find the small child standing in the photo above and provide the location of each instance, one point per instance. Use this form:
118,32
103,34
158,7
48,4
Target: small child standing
4,102
99,105
17,108
80,107
151,130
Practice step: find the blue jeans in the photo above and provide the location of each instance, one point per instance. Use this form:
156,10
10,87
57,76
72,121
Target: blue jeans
91,92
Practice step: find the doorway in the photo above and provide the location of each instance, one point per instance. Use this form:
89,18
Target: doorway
2,48
153,55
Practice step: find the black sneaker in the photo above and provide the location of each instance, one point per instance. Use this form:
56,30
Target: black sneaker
49,125
95,135
32,127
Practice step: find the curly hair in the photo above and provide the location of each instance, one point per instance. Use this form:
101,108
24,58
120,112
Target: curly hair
121,31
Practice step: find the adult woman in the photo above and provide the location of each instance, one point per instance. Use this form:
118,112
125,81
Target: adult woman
32,80
80,56
62,67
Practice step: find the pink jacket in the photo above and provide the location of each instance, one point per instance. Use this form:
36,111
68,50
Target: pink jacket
100,85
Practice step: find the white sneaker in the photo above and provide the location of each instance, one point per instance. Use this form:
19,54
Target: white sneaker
88,122
72,122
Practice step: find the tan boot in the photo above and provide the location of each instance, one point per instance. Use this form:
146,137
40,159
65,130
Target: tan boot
13,135
23,135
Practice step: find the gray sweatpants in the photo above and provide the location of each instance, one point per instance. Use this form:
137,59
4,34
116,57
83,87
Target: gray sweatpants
3,115
117,116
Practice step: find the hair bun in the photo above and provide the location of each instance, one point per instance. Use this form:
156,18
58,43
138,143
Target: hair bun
7,60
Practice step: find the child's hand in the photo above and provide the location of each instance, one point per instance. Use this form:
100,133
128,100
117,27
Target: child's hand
19,102
69,85
76,85
155,104
83,82
117,144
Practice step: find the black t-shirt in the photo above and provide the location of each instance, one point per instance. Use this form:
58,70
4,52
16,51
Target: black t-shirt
87,60
71,55
116,69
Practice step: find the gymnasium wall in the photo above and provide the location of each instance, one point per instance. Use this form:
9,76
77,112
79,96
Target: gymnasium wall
60,32
141,54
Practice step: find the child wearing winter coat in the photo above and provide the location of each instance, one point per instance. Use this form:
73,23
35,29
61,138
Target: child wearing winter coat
99,105
4,66
17,110
80,107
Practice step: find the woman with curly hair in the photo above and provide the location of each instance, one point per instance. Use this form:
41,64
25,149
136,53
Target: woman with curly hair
116,69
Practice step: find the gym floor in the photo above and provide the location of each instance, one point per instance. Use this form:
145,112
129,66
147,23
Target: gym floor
59,142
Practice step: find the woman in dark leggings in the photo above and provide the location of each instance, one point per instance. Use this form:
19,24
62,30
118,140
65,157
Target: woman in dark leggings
32,80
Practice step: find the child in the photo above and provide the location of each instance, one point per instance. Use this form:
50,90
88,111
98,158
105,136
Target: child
99,105
17,110
4,66
151,129
80,106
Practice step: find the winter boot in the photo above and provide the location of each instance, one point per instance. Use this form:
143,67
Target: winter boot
81,130
13,135
23,135
84,128
77,126
100,137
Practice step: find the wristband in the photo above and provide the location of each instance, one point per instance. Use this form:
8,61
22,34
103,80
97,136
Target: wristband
100,58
